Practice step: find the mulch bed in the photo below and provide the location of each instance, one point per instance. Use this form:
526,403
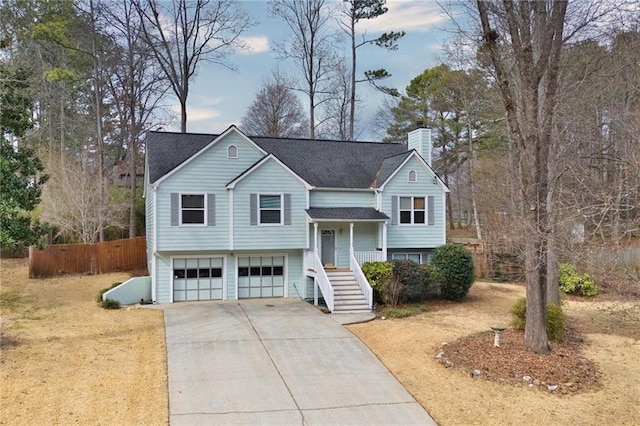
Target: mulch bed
563,371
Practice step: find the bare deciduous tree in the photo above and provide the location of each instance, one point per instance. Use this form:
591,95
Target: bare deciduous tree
136,85
184,33
310,46
275,112
524,40
71,200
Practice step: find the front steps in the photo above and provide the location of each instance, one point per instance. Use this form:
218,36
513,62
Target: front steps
348,298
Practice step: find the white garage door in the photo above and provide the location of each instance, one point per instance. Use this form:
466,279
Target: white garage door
261,276
197,279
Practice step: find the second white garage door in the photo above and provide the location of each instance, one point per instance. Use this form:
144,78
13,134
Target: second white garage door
261,276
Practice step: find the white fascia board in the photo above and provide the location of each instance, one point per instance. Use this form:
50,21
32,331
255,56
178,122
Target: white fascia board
414,154
231,129
325,188
270,157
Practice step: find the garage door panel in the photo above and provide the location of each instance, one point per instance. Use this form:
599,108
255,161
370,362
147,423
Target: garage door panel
261,276
197,279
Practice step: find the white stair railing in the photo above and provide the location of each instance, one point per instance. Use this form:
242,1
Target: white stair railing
366,289
322,281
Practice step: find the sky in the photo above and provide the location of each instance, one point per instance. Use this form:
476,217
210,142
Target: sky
219,97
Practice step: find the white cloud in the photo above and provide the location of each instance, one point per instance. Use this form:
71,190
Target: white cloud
255,44
407,15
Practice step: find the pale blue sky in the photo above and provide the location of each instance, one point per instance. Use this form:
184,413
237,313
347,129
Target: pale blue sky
220,97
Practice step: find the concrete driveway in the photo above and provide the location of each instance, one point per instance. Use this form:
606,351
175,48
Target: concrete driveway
276,362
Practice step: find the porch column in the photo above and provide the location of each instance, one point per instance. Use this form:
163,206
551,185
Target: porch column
350,240
315,237
384,241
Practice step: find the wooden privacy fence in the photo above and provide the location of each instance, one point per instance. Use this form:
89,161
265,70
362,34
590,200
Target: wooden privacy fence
478,250
99,258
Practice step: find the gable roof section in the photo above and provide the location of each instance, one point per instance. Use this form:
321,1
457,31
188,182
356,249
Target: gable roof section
234,182
393,171
389,166
331,164
168,151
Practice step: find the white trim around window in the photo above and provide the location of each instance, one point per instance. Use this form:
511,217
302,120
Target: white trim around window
412,177
232,152
412,209
194,209
416,257
270,209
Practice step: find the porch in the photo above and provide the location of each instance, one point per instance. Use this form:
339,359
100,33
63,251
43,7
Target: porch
343,239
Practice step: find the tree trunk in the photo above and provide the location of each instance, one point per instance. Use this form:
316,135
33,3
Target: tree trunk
472,187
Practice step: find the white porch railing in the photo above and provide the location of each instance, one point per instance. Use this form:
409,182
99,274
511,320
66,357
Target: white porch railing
369,256
309,261
322,281
366,289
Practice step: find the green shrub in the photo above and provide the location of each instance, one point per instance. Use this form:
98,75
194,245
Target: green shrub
104,290
431,287
453,271
379,275
572,283
555,318
411,278
111,304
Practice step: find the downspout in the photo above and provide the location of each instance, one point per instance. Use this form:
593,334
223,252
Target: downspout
155,245
384,241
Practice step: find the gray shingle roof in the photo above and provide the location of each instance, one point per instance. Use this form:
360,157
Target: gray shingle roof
331,164
347,213
326,164
166,150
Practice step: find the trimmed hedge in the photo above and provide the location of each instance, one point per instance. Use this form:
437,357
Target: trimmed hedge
453,270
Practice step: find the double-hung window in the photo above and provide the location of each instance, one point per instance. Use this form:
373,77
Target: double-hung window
413,210
192,209
270,209
416,257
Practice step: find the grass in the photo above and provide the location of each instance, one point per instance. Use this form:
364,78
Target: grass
402,311
11,300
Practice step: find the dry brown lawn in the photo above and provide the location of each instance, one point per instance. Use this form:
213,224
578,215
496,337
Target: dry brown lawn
65,360
407,347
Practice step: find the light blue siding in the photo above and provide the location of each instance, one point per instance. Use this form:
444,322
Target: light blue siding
269,178
163,279
324,198
209,173
414,236
149,213
365,238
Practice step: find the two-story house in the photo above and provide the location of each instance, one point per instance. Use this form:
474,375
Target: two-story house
231,216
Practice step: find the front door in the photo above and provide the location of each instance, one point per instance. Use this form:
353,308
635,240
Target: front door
328,247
